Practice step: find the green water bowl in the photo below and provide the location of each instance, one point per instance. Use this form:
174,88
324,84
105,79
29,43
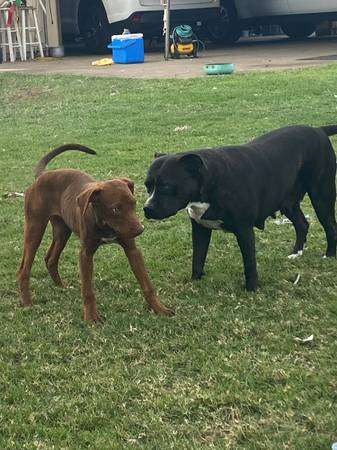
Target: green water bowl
219,69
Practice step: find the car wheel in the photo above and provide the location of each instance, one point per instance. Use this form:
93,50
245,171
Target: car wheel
226,28
94,27
298,30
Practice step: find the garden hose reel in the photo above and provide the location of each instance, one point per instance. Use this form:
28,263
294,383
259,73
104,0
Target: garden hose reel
184,42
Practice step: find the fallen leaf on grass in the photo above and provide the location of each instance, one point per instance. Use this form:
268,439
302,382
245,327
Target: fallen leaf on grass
297,279
281,221
285,220
13,194
305,340
182,128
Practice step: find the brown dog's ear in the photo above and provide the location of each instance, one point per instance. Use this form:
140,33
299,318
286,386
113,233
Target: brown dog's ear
90,195
130,184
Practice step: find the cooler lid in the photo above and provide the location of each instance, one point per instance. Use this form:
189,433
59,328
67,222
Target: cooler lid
127,36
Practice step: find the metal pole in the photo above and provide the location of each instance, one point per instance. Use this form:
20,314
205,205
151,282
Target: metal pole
166,29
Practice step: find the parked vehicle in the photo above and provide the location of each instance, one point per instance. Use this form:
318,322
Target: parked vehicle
297,18
96,20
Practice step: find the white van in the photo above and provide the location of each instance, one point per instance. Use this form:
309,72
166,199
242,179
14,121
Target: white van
224,20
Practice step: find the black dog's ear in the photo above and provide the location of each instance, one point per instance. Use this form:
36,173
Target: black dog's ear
158,155
193,162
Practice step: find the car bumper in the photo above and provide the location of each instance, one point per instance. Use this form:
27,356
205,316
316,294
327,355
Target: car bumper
191,16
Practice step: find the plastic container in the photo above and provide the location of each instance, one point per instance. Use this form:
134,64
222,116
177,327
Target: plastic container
127,48
219,68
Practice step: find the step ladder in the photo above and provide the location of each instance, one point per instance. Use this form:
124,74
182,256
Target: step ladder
10,38
29,29
22,35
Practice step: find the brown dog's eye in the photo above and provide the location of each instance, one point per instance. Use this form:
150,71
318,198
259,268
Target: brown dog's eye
115,210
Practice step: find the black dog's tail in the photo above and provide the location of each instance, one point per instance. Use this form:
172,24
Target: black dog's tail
57,151
330,130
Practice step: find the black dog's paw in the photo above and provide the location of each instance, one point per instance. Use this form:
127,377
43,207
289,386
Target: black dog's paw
251,285
197,275
251,289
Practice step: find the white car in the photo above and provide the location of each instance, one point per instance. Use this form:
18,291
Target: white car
297,18
97,20
224,20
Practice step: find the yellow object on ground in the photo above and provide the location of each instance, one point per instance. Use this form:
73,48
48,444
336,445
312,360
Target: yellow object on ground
45,58
103,62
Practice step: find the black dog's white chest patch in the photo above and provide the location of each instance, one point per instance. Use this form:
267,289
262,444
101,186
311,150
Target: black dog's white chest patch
197,209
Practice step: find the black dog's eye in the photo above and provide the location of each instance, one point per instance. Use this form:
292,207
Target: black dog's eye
149,186
166,189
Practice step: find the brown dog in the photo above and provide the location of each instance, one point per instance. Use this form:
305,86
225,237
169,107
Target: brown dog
98,212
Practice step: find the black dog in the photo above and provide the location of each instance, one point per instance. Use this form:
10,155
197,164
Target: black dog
236,188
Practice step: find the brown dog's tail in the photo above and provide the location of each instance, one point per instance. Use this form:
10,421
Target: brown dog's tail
57,151
330,130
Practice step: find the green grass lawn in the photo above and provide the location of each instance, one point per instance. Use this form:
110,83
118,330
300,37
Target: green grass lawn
225,372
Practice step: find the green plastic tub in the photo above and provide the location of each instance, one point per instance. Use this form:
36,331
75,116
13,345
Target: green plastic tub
219,69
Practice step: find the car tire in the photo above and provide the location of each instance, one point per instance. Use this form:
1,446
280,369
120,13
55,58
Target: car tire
297,30
94,26
225,29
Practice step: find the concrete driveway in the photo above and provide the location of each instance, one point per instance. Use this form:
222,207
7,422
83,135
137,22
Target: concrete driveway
248,54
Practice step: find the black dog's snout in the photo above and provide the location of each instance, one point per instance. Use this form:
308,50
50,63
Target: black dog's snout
148,211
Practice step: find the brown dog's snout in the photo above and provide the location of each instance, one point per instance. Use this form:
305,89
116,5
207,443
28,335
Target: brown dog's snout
133,229
138,230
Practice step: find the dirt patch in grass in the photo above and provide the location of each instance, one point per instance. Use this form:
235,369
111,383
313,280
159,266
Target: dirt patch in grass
29,93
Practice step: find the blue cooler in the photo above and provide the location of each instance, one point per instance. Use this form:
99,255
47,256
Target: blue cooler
127,48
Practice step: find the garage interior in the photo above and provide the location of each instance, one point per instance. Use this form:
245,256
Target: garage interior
28,28
50,27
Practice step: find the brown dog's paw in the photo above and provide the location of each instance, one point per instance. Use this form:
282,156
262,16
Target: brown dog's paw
25,304
169,312
163,310
97,320
93,316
